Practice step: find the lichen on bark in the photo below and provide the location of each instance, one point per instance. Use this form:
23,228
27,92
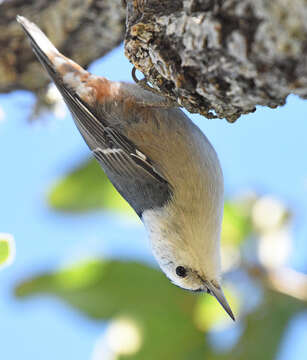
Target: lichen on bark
220,58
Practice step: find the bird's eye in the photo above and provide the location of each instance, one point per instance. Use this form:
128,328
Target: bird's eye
181,271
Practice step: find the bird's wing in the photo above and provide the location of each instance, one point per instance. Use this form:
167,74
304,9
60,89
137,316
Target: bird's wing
109,146
131,171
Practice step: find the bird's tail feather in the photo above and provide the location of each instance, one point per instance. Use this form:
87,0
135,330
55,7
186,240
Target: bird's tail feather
53,60
42,46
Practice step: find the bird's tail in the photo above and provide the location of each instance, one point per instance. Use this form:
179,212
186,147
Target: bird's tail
76,85
63,71
41,44
46,52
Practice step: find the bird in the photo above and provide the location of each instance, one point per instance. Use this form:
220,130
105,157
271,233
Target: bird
156,158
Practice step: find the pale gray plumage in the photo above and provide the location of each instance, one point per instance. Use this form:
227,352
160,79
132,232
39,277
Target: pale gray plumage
159,161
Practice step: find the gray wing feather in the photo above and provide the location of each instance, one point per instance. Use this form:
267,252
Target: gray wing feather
138,186
121,162
130,171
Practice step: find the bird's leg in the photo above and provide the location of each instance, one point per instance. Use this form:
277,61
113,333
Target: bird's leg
165,101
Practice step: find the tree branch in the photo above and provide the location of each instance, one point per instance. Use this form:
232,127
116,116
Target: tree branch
220,58
82,30
283,280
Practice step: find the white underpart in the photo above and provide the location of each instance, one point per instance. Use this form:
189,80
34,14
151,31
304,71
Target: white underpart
73,80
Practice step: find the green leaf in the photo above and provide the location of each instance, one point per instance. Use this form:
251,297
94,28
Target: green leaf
237,225
206,315
86,188
6,249
111,289
265,327
165,315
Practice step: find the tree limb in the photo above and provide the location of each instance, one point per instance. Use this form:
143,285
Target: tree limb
82,30
220,58
283,280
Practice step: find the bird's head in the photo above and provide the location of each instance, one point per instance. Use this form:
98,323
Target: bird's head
187,259
185,273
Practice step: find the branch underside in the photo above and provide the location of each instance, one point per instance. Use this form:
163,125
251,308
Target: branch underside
220,58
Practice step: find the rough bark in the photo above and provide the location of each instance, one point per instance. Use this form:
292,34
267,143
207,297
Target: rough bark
84,30
220,58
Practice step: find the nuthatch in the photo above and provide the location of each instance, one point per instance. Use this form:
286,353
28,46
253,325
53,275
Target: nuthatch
157,159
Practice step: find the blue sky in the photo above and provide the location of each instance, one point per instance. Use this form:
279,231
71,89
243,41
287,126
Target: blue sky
264,151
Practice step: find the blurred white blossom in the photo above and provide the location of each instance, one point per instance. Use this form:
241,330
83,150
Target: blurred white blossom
268,213
275,247
102,351
122,337
245,197
54,98
231,257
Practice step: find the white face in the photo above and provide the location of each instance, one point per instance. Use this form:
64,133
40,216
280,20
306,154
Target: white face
187,266
183,276
181,270
194,268
179,267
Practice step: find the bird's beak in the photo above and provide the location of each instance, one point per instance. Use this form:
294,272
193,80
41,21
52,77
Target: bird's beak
217,292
